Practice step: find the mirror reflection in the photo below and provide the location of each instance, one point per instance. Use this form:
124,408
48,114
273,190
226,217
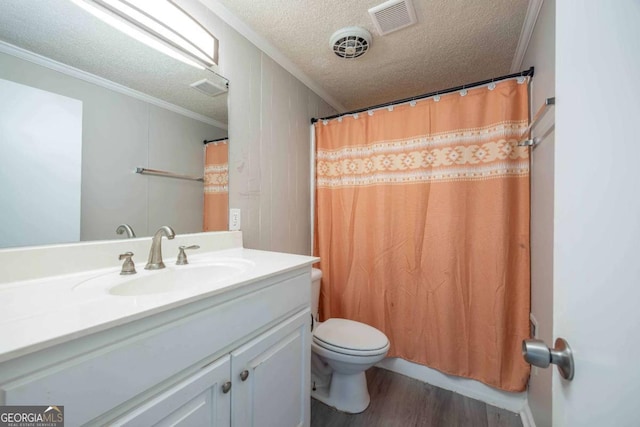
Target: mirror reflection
82,107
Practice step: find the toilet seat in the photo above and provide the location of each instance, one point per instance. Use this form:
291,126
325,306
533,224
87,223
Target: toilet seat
350,338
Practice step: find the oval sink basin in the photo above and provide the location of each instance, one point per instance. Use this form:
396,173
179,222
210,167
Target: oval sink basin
174,278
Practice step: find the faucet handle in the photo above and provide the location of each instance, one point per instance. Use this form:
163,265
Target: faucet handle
128,267
182,256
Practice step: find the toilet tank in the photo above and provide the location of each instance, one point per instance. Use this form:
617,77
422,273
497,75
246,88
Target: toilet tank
316,276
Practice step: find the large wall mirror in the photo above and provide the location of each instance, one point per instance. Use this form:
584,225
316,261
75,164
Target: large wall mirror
82,107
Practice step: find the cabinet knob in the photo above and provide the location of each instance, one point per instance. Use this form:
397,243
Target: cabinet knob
244,375
226,387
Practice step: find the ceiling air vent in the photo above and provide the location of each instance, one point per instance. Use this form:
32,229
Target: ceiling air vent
393,15
210,88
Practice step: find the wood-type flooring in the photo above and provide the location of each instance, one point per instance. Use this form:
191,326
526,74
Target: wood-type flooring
400,401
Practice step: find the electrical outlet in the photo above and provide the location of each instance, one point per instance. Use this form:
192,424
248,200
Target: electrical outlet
234,219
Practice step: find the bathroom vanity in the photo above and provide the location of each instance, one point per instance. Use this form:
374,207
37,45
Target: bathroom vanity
230,347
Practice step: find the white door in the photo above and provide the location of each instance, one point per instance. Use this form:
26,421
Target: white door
597,211
271,377
40,166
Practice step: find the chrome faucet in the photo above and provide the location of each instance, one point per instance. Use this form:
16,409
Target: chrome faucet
126,227
155,254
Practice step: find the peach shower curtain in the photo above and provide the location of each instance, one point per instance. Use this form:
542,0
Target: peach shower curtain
216,186
422,226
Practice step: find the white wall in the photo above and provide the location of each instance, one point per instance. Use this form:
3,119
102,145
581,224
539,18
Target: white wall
541,54
269,113
120,133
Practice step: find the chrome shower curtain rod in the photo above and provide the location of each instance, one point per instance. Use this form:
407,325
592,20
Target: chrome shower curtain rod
523,73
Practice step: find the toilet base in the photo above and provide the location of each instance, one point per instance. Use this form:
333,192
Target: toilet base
347,393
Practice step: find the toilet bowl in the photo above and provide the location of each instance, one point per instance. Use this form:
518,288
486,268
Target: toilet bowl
341,351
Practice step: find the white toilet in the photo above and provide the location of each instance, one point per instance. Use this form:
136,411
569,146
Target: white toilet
341,350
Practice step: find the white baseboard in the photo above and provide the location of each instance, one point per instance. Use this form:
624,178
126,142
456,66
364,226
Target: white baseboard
514,402
527,417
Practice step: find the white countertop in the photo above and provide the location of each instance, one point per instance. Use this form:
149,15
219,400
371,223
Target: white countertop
40,313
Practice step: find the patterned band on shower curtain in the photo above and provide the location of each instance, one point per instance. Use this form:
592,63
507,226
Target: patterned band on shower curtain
422,226
216,186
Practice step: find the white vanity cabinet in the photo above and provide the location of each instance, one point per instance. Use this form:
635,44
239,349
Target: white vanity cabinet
203,399
237,358
261,384
271,377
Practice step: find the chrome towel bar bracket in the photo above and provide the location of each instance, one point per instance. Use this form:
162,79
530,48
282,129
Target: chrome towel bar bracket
532,142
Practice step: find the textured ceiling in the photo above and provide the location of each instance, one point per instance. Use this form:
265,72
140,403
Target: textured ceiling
454,42
62,31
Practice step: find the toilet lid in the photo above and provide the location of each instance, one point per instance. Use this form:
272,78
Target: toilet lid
349,335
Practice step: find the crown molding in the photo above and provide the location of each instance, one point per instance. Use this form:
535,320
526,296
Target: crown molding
533,10
35,58
261,43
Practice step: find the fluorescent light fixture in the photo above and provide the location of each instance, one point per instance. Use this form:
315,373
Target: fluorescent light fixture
161,25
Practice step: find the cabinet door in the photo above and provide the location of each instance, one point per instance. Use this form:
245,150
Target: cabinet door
198,401
271,377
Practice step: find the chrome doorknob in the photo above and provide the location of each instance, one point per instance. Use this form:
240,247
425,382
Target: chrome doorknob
537,353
